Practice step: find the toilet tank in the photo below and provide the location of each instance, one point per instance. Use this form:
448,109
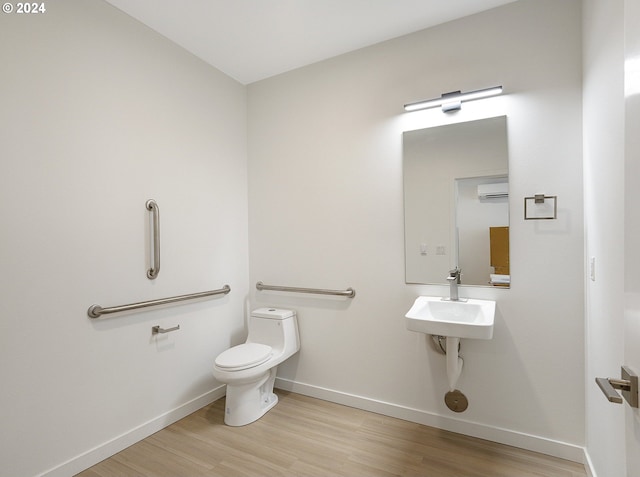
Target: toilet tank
275,327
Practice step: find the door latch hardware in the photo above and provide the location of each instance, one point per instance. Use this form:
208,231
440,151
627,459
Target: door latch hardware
628,384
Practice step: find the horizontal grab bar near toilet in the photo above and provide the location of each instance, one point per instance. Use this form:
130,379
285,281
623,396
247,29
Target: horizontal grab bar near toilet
349,292
96,311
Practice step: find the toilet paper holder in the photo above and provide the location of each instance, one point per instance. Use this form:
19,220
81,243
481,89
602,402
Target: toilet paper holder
157,329
628,384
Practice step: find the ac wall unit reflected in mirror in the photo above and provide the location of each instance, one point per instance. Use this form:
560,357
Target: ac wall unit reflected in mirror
456,201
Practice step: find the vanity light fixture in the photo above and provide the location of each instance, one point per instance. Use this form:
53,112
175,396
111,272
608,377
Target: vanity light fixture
453,101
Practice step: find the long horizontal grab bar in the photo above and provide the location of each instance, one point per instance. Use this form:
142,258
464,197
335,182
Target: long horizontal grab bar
349,292
96,311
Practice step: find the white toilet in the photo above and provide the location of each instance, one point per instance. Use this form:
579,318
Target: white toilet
249,369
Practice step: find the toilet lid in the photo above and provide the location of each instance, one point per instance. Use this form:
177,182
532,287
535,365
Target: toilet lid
243,356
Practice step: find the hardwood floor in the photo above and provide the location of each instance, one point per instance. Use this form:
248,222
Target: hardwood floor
303,436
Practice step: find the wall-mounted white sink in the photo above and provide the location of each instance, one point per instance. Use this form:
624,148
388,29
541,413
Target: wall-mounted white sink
460,319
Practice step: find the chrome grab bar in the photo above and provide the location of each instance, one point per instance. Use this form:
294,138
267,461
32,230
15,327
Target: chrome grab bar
96,311
349,292
155,258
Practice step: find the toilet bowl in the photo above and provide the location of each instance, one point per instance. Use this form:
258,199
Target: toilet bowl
249,369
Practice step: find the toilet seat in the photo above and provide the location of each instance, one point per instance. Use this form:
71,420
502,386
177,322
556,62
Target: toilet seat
244,356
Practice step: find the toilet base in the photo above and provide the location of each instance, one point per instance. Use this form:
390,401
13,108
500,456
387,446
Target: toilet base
246,403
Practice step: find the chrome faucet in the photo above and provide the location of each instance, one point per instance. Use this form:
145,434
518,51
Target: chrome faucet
454,281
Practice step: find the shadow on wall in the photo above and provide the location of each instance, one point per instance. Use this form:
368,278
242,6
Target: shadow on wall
499,394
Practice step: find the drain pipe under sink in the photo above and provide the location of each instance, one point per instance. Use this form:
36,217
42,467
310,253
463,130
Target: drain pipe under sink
454,362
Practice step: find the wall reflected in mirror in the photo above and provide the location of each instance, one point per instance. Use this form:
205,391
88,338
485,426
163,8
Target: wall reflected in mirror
456,182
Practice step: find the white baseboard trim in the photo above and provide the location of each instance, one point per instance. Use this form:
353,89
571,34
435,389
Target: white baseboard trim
588,465
530,442
115,445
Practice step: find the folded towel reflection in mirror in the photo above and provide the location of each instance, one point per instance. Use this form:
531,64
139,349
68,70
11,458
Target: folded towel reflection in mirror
499,280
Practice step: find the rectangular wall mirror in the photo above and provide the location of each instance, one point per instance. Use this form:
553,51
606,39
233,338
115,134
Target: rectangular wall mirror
456,203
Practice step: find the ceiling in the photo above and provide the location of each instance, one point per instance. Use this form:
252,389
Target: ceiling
250,40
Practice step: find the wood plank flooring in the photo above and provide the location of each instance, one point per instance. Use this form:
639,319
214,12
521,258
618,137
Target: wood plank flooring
303,436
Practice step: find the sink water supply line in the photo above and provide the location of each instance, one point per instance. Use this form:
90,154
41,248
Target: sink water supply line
441,344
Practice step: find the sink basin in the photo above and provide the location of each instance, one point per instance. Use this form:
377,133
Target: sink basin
460,319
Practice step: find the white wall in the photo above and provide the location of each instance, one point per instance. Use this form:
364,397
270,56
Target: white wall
325,210
604,231
99,114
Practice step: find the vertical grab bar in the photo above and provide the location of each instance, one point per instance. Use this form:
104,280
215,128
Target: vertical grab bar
155,258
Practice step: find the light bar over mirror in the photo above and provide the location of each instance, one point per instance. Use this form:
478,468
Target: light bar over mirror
453,101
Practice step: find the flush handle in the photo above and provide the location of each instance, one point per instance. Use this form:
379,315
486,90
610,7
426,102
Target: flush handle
628,384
